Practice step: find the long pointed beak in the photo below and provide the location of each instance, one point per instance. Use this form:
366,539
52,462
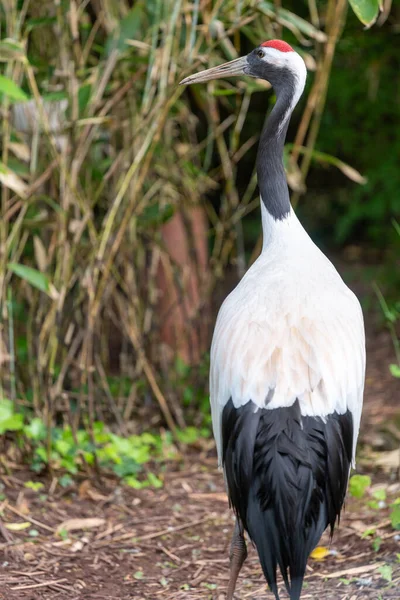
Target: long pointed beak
229,69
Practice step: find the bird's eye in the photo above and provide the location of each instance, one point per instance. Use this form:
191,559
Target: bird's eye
260,54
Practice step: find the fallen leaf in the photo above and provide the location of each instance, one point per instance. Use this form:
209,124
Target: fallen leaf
76,524
319,553
17,526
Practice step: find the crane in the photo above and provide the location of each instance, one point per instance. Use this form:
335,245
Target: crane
287,363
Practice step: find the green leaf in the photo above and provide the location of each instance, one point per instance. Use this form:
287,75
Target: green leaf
32,24
155,215
88,457
9,420
395,370
65,481
210,586
182,368
41,454
33,532
34,485
127,29
376,544
34,277
70,465
138,575
366,10
63,533
13,423
190,435
10,89
63,447
154,481
395,516
84,95
358,485
368,532
36,429
379,494
188,395
6,409
396,225
135,483
386,572
127,467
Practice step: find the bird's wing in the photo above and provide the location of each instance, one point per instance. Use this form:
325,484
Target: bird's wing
272,351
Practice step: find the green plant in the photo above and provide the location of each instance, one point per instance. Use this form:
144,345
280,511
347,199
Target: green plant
386,572
360,488
358,485
129,458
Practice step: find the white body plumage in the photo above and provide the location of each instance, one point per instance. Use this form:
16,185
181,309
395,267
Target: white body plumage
291,329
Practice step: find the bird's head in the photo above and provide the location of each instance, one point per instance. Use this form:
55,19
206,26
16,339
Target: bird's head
275,61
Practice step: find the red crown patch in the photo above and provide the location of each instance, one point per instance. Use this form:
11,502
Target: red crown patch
278,45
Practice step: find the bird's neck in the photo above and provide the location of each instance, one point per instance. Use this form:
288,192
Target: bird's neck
281,236
270,171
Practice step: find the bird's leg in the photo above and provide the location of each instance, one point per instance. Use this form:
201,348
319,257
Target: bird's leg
237,556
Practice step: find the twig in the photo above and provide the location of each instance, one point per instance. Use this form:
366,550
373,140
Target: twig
38,585
30,519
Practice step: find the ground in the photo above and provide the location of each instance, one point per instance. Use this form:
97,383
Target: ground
100,541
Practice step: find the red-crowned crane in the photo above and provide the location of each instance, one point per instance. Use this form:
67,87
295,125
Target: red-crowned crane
287,363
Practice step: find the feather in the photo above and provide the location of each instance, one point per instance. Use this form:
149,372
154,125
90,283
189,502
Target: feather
291,330
287,478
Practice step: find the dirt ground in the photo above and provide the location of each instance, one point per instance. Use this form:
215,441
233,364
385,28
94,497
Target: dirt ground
101,541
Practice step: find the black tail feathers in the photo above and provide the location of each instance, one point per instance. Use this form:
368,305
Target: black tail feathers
287,478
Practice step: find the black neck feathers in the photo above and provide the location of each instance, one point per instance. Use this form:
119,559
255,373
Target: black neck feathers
270,171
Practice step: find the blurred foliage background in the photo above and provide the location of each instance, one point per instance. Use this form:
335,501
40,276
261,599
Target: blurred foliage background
129,205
